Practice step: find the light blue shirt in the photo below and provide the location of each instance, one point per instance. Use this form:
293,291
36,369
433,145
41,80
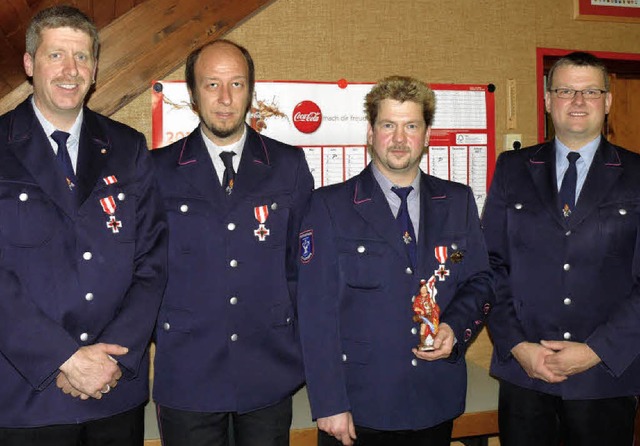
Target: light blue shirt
413,199
73,143
587,152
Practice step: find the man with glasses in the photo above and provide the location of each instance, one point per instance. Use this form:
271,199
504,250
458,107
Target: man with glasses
561,224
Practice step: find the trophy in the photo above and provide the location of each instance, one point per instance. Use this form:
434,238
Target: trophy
427,313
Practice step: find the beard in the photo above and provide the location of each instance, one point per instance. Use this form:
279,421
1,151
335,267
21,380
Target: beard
223,132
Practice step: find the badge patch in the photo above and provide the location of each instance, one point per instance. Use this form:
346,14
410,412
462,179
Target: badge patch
306,246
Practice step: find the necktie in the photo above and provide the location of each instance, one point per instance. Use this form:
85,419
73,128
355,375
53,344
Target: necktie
229,174
404,222
63,157
567,191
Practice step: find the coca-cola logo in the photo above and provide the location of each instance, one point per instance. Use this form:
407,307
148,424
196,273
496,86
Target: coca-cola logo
307,116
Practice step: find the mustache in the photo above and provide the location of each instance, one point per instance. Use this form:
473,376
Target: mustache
399,147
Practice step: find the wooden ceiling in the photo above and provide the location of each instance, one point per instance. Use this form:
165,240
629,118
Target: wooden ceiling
141,40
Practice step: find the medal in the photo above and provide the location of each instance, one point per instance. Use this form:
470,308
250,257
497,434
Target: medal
566,211
114,224
441,273
406,238
109,207
261,213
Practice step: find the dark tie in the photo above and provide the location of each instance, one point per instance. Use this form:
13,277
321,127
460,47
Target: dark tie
229,176
404,222
567,191
63,157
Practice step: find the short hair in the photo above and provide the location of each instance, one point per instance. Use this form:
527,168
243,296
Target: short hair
401,88
579,59
60,17
189,71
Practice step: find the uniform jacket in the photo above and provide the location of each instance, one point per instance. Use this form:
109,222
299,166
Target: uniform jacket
66,279
355,302
227,335
567,279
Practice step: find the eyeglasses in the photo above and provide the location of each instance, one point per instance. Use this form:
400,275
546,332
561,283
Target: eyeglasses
569,93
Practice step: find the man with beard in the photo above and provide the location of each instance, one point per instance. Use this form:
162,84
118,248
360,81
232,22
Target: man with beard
82,253
361,264
227,337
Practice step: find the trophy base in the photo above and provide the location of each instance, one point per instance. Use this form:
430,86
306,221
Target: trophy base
426,348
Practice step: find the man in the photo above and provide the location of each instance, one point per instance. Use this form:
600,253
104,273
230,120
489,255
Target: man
227,337
362,262
82,253
561,224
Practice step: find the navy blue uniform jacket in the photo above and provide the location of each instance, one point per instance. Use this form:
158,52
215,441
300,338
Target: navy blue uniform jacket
227,335
570,279
66,279
355,303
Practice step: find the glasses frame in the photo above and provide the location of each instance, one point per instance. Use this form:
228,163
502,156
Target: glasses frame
582,93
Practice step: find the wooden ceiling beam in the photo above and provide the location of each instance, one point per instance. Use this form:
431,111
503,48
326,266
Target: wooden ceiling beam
148,43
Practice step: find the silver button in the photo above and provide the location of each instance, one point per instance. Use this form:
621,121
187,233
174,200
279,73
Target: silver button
121,196
166,326
622,211
231,226
234,337
414,362
184,208
414,331
274,206
88,297
566,267
454,246
23,196
408,270
87,255
288,320
84,337
568,233
518,206
233,263
233,300
344,358
566,336
567,301
361,249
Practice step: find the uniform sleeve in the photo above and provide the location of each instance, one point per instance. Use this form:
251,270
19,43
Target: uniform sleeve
32,342
616,341
134,320
318,309
474,295
303,187
506,331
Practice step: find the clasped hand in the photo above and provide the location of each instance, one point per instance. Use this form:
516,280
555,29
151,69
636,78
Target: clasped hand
91,371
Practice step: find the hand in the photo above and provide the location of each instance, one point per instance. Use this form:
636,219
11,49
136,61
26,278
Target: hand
442,344
532,358
63,383
339,426
91,368
569,358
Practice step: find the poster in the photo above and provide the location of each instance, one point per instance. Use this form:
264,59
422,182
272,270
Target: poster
327,120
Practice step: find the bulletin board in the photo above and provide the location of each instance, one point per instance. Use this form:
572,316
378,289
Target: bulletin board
327,120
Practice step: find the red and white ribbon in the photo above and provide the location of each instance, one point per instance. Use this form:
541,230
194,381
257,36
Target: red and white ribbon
111,179
108,205
441,254
261,213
